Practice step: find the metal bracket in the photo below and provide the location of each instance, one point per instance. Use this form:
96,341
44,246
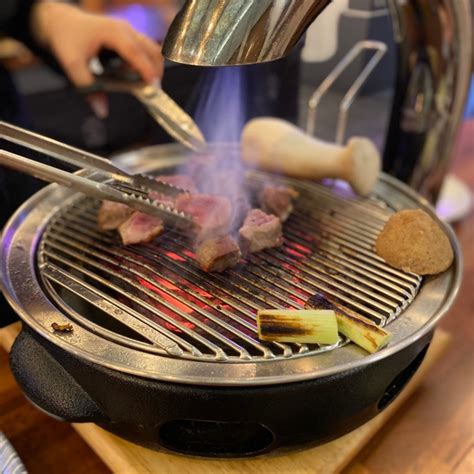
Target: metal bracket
348,99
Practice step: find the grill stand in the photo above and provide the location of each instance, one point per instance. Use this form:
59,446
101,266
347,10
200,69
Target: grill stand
122,456
208,421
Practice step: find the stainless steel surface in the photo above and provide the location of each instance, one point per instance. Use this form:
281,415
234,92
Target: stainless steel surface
82,159
171,116
194,327
230,32
435,43
119,186
61,151
113,75
348,99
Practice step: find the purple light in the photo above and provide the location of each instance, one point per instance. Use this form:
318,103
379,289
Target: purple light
146,20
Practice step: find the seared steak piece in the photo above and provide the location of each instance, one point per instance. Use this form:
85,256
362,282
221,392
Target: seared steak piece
276,200
212,214
140,228
111,214
218,254
260,231
168,201
179,180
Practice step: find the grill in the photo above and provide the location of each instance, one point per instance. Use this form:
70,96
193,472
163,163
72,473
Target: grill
164,354
154,298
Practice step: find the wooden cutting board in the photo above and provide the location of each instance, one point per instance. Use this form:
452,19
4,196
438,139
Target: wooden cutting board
127,458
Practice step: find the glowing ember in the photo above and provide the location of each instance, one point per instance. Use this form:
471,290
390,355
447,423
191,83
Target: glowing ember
175,256
301,248
176,303
294,253
189,254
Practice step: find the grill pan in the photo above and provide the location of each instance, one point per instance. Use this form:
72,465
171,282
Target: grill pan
167,355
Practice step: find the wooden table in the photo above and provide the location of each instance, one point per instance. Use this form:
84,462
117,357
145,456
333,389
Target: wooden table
432,433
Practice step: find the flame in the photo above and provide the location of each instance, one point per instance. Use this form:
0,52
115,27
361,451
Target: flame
221,115
221,111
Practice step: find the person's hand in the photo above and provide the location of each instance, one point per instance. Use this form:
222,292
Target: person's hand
74,37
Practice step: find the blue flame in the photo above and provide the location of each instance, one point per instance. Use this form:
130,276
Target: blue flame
221,109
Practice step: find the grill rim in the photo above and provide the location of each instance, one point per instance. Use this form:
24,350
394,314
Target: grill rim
450,282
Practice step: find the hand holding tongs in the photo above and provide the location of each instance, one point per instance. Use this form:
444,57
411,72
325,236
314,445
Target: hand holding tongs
113,75
121,186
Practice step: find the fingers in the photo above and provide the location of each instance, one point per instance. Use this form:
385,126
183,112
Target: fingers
153,50
77,69
136,49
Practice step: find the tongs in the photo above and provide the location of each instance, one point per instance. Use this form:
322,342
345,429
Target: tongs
112,74
119,186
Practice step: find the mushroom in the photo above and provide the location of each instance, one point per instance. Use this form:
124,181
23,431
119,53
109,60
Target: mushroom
278,146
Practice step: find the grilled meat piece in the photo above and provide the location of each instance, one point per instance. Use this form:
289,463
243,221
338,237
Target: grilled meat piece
112,214
218,254
276,200
140,228
167,201
260,231
179,180
211,214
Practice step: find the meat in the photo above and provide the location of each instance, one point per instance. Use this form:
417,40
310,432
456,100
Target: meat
179,180
140,228
167,201
217,209
260,231
112,214
276,200
211,214
218,254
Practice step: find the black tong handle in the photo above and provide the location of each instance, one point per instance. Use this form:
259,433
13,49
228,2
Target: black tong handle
115,69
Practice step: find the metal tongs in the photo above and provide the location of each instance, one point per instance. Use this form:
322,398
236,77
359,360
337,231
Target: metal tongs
112,74
119,186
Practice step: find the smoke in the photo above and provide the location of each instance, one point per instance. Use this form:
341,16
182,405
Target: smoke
221,115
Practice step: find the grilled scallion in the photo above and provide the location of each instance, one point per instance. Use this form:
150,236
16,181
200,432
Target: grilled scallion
358,329
362,332
303,326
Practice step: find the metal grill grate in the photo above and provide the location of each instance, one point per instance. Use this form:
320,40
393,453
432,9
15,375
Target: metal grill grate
153,297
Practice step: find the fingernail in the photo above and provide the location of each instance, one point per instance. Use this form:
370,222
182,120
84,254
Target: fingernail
156,81
99,107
